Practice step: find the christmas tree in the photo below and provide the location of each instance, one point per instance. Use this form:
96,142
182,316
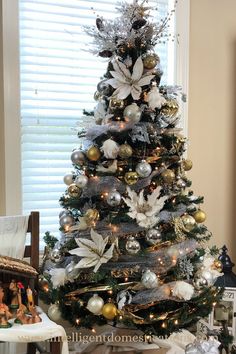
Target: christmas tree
133,247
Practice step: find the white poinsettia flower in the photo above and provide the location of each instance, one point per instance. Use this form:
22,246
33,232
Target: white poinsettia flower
126,83
93,251
145,211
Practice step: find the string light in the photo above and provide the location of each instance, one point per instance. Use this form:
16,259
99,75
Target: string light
163,325
93,330
176,322
77,321
110,292
126,279
151,316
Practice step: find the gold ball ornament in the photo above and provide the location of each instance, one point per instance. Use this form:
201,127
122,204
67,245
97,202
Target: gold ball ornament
187,165
217,265
74,191
150,61
168,176
188,221
170,108
131,178
125,151
93,153
116,103
91,216
109,311
199,216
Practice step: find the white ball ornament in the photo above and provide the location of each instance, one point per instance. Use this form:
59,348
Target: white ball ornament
113,198
149,279
54,313
143,169
95,304
81,181
68,179
132,113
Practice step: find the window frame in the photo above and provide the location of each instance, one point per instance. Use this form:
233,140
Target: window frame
11,92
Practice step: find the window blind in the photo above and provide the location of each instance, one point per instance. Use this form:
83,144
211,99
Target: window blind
58,80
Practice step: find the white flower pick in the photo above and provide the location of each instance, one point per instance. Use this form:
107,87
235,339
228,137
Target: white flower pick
145,211
93,251
126,83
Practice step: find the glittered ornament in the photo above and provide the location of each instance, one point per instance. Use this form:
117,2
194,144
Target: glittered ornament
131,178
149,279
74,191
103,87
109,311
66,220
187,165
81,181
153,236
54,313
91,216
170,108
188,221
95,304
132,113
125,151
93,153
150,61
116,103
68,179
168,176
143,169
199,216
113,198
132,246
77,157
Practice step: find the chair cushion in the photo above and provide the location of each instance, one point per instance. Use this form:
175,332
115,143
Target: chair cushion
16,266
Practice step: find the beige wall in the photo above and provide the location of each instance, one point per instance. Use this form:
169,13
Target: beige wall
212,113
2,158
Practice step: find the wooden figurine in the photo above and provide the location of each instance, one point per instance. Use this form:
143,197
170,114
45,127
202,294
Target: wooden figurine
5,314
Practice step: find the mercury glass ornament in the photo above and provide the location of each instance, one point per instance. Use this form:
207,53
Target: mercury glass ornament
125,151
131,178
153,236
150,61
132,246
116,103
103,87
93,153
81,181
54,312
143,169
56,255
132,113
113,198
149,279
77,157
74,191
95,304
188,221
66,220
71,271
68,179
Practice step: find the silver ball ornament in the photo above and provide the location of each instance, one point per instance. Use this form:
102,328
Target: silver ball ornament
132,113
71,271
77,157
103,87
113,198
54,313
68,179
81,181
143,169
95,304
153,236
149,279
66,220
132,246
63,212
56,255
